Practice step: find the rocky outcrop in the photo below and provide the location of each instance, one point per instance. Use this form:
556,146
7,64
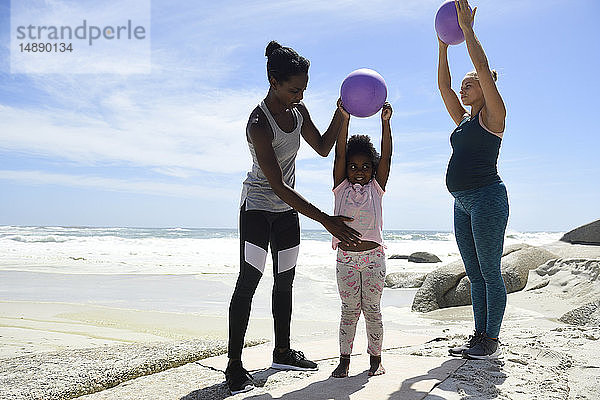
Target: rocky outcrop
417,257
398,257
573,281
67,374
423,257
588,314
397,280
586,234
582,267
516,265
438,289
448,286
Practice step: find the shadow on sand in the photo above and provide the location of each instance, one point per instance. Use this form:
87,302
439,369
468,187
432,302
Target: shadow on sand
486,375
329,388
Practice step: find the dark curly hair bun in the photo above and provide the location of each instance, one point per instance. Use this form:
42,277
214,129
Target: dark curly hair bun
284,62
271,47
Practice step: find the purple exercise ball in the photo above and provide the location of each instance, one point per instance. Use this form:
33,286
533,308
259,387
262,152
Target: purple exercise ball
363,92
446,24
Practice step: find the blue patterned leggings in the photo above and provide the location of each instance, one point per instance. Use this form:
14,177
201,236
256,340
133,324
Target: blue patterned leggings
480,218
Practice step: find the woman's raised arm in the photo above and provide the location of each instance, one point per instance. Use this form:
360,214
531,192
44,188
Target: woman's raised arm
261,137
455,109
494,111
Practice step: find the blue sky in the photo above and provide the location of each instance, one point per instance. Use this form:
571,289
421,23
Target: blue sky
167,148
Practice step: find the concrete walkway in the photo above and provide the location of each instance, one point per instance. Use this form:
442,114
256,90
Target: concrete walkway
407,377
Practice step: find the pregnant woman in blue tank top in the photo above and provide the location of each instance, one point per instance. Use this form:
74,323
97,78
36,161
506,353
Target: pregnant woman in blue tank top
480,198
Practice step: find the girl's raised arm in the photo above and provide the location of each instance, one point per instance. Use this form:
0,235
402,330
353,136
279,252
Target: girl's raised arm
339,165
383,169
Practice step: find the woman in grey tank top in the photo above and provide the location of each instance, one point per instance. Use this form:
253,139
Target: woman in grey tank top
269,208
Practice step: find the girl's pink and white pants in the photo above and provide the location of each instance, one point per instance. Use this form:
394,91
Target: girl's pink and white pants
360,279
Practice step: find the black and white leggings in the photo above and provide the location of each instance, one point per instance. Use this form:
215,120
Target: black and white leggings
258,230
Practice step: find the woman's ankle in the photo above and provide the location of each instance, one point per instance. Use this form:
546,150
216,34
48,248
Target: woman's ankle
233,361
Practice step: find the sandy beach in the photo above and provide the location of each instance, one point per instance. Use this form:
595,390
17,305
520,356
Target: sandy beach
59,345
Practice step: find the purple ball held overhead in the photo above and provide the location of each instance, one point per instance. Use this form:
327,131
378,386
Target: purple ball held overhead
363,92
446,24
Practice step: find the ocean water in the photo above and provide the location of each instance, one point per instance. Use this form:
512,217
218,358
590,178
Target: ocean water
91,250
190,270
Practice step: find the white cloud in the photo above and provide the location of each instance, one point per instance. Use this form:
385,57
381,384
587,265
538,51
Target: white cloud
261,14
202,132
120,185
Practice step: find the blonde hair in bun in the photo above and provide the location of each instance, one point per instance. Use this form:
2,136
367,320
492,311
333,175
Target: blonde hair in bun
473,74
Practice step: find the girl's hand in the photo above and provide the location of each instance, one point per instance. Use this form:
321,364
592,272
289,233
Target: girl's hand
386,111
465,16
340,107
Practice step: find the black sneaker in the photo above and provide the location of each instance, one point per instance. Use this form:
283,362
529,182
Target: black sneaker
238,379
472,341
292,359
485,349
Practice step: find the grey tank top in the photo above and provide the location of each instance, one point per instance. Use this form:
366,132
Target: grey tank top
256,190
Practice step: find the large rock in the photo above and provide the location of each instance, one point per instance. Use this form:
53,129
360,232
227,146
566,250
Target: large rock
588,314
437,284
423,257
575,283
575,280
586,234
517,261
448,286
397,280
586,268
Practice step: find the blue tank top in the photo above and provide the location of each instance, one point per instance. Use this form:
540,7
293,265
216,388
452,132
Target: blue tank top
474,159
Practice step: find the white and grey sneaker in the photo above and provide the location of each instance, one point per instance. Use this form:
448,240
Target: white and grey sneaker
472,341
485,349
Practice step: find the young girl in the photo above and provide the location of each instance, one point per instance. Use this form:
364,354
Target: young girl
360,175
